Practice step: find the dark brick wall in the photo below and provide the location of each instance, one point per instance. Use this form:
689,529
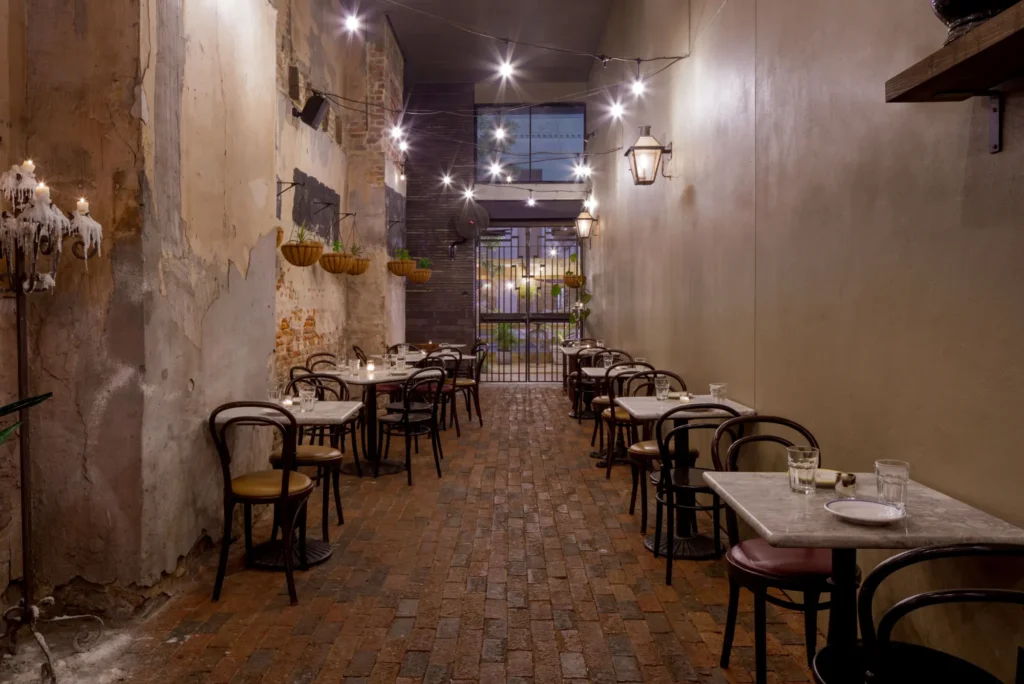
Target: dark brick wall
441,310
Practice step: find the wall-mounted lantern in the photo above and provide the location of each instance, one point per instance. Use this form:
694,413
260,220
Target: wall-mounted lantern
645,157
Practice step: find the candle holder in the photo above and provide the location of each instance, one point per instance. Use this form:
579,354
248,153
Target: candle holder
370,367
32,234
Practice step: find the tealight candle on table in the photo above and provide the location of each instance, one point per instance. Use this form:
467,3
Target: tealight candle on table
83,206
287,401
370,366
42,192
28,168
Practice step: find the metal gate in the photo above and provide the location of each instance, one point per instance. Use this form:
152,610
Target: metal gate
522,305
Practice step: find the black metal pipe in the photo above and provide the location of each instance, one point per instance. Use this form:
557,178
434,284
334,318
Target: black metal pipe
24,434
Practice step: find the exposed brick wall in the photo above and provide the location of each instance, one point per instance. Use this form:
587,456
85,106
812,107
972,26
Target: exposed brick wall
442,310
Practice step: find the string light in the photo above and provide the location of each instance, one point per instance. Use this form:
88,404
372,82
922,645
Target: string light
554,252
468,193
396,132
531,202
446,180
506,70
582,170
499,133
617,110
353,24
638,82
590,204
403,145
510,285
495,168
508,178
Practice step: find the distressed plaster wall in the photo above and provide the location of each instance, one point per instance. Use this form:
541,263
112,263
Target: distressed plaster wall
850,264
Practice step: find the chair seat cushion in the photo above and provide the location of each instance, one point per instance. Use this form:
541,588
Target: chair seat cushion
603,400
757,555
649,449
396,418
310,454
465,382
266,484
621,414
389,388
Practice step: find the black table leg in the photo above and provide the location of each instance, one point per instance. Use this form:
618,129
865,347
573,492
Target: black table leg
842,619
372,448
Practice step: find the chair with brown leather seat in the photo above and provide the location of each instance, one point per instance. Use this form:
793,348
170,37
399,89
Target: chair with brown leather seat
759,566
599,386
286,489
327,458
621,426
581,388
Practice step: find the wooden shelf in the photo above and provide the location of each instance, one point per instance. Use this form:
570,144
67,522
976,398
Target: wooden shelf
991,54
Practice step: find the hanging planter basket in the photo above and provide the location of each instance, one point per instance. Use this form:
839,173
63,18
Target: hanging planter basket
420,275
359,266
302,254
336,262
574,281
402,267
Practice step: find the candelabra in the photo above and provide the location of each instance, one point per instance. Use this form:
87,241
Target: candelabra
32,235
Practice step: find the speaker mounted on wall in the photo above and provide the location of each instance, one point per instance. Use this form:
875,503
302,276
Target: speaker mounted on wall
314,111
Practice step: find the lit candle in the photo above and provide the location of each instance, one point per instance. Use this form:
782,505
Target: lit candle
370,366
83,206
42,192
287,401
28,168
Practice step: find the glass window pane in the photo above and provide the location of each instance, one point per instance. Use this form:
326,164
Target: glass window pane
539,144
512,151
557,140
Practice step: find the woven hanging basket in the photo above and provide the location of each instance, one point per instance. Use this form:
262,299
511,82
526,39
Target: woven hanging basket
336,262
574,281
302,253
420,275
402,267
359,266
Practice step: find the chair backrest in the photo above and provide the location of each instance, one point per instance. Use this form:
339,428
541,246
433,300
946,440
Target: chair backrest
615,381
735,429
319,363
393,349
320,357
360,354
450,357
327,387
480,352
585,356
297,371
425,385
876,640
714,411
259,414
617,356
642,384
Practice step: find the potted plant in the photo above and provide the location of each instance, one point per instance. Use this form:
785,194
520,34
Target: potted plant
402,265
337,261
303,248
506,339
581,312
359,262
571,279
421,273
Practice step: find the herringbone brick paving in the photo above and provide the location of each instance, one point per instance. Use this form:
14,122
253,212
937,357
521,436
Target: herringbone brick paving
520,565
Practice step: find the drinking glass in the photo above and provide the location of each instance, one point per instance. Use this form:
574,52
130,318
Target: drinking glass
307,399
661,388
392,363
275,395
600,343
892,478
803,463
607,361
718,392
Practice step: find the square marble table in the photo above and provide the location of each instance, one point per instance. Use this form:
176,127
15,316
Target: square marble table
411,357
649,408
787,519
592,372
323,413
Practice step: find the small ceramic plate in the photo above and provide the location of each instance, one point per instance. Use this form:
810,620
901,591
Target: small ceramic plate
825,477
679,396
864,512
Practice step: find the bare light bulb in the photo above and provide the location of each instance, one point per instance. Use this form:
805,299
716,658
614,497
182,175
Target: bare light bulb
506,70
582,171
495,169
468,193
554,252
396,132
499,133
446,179
531,202
353,24
404,145
617,110
510,285
639,87
508,178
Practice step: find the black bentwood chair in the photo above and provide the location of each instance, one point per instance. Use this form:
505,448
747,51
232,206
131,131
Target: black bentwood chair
759,566
285,489
419,415
880,660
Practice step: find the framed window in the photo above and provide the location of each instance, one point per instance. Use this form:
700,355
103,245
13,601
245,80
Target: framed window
541,144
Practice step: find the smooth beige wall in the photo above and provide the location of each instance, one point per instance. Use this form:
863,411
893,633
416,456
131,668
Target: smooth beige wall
850,264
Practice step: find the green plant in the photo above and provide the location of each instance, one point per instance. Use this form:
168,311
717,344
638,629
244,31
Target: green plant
556,290
423,262
356,250
338,246
18,406
402,254
505,337
573,258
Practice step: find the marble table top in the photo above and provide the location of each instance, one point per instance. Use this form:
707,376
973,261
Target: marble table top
591,372
411,357
323,413
649,408
785,518
379,376
573,351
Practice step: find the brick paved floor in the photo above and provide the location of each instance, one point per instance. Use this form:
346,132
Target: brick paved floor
520,565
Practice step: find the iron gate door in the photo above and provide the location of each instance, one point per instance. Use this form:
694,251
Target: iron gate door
522,305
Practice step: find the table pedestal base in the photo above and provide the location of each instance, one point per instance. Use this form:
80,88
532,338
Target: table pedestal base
386,468
697,547
270,555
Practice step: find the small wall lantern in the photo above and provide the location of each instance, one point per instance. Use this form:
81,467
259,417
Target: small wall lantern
645,157
584,224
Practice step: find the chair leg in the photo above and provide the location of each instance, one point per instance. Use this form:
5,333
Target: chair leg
476,402
643,500
225,544
670,547
455,416
730,622
716,520
408,457
657,525
355,453
760,638
593,434
469,407
288,528
247,524
613,445
336,476
435,443
811,624
635,472
303,560
416,443
325,484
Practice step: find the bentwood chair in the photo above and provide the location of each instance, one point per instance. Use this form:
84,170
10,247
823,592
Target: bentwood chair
393,349
325,458
599,387
467,380
680,481
452,360
759,566
424,387
877,658
360,354
320,358
621,426
285,489
581,387
643,384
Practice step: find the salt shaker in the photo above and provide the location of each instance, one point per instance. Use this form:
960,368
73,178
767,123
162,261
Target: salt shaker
846,485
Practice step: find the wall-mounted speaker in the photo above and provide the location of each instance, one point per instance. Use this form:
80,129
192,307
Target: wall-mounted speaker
314,111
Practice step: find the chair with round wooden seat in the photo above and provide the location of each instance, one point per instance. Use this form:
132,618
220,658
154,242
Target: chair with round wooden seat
581,387
327,459
599,388
646,453
451,358
425,386
286,489
622,430
467,380
878,658
757,565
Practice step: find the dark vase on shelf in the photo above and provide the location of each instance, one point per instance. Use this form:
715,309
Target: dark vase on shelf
960,16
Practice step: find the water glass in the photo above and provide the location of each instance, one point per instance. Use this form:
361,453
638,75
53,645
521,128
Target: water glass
600,343
661,388
606,361
892,478
803,464
275,395
307,399
718,392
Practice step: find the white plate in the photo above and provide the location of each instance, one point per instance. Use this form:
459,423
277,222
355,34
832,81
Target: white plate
825,477
864,512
